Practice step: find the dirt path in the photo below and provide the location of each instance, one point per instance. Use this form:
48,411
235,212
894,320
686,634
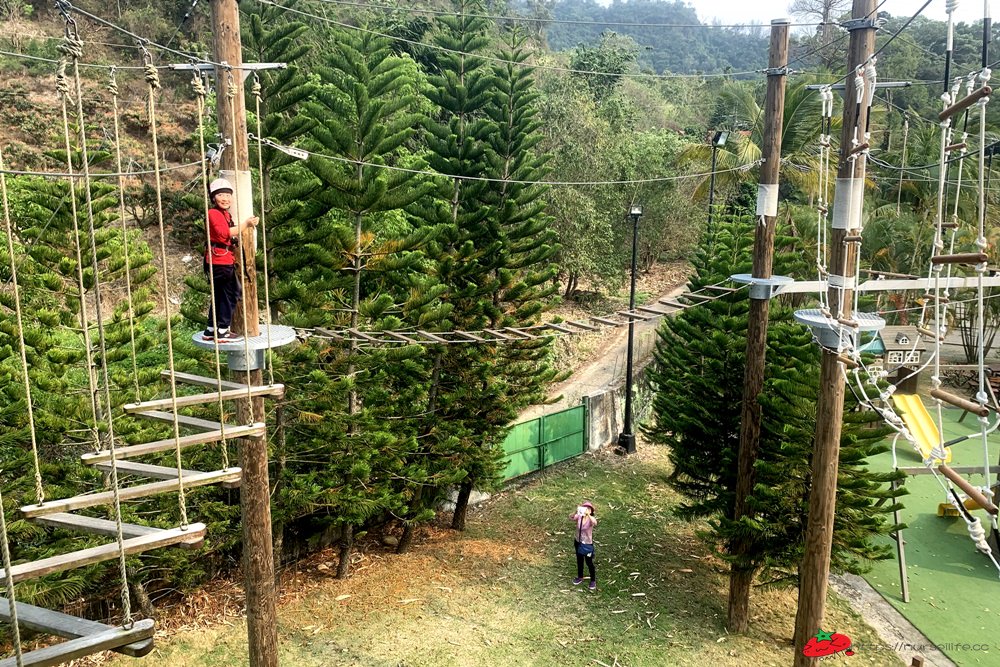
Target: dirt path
604,365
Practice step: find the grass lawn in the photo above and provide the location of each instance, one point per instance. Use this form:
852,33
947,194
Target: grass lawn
953,588
501,593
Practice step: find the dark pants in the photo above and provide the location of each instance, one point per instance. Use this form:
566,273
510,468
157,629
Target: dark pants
228,292
579,563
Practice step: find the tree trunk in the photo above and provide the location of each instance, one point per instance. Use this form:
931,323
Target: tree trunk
280,463
346,546
740,581
406,539
461,506
140,595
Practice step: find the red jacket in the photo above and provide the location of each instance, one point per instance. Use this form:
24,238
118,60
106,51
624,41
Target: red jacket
220,252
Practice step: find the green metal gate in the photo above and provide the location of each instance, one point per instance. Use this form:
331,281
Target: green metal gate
538,443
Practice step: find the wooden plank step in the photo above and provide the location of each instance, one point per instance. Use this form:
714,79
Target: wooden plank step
697,295
405,338
651,311
498,334
94,526
603,320
633,315
582,325
156,472
672,303
720,288
200,381
98,554
184,420
275,390
130,492
517,332
81,647
58,624
429,336
556,327
168,444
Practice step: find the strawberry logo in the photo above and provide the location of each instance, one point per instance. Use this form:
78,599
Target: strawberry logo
827,643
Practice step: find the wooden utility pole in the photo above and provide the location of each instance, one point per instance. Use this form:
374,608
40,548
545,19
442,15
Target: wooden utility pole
255,494
815,568
741,578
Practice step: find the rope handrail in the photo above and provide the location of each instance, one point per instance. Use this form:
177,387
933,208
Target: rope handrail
503,335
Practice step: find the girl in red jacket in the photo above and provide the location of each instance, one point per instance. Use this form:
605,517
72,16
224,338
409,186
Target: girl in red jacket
219,259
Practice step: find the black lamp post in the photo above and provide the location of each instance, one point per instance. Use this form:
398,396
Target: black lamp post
627,438
718,141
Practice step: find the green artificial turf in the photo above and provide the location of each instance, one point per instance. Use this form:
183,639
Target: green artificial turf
953,589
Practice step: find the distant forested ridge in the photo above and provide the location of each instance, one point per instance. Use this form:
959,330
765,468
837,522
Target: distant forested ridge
679,50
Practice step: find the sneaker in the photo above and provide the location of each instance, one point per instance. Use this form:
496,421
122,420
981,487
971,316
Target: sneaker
593,586
228,337
578,581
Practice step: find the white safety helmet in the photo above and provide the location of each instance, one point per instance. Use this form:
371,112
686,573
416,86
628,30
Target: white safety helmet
220,185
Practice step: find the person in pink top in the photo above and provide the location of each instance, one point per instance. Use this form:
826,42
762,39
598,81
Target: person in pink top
583,542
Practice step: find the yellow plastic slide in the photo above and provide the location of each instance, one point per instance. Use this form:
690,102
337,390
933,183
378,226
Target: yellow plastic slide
920,424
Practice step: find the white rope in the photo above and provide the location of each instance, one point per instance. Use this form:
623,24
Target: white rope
269,361
200,94
153,84
231,96
113,89
62,86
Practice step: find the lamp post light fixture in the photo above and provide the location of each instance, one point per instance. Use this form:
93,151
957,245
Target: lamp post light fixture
627,438
718,141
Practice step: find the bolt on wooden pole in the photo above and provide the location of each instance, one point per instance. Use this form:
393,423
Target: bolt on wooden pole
255,492
815,568
741,576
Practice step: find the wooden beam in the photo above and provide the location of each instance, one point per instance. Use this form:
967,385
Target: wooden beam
961,470
518,332
169,443
602,320
720,288
971,491
556,327
58,624
673,304
83,646
184,420
156,472
332,334
959,402
582,325
469,336
652,311
83,557
130,492
200,381
275,391
105,527
363,336
964,103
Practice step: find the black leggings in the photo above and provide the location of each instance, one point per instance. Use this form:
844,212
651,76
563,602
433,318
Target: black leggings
579,563
228,292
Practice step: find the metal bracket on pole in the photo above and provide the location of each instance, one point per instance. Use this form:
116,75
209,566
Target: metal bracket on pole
244,69
763,289
776,71
862,24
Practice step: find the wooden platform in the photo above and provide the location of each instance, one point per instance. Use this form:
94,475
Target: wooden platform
168,444
94,526
83,646
58,624
83,557
131,492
